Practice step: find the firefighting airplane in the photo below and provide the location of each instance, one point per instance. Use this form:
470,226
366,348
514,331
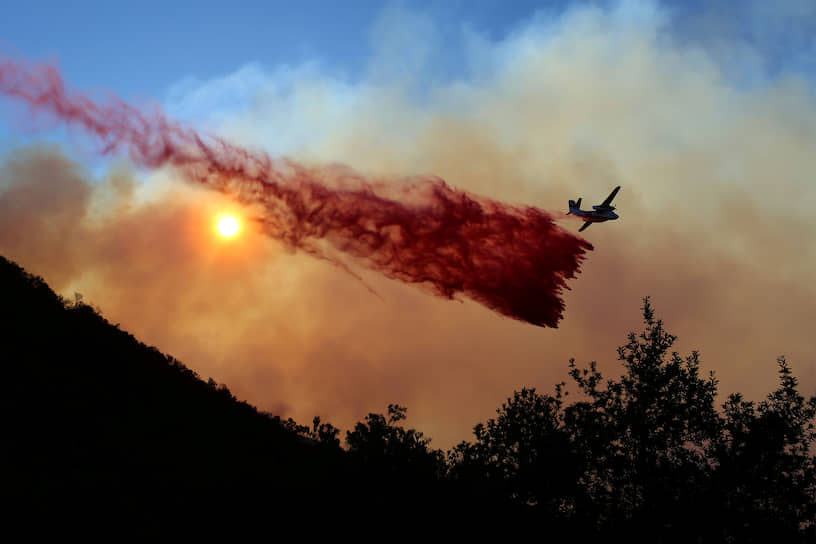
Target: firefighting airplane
598,214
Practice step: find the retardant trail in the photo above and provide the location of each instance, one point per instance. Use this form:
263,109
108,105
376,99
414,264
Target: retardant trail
513,259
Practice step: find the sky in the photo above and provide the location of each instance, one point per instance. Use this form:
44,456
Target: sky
706,116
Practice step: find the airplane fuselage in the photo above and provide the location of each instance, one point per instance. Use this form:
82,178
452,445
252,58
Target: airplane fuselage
598,214
595,216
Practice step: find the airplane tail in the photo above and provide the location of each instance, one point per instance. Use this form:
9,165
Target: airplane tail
573,206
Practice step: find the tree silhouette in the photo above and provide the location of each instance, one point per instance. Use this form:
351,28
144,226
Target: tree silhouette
766,473
325,433
649,433
390,449
89,411
515,455
648,456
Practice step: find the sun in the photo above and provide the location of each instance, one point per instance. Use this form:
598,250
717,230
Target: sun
228,226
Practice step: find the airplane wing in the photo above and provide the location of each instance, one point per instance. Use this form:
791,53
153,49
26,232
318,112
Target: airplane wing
608,200
586,226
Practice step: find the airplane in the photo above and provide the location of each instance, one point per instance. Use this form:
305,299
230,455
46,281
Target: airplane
600,213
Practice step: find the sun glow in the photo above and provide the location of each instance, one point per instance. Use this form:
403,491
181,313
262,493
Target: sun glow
228,226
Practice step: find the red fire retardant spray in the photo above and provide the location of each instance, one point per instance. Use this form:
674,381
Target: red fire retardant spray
513,259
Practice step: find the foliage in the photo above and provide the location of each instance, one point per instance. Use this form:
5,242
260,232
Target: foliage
389,448
643,455
767,474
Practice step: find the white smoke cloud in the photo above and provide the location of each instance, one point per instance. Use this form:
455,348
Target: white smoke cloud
716,212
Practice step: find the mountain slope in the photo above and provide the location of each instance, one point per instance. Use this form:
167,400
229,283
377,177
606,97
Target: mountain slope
92,413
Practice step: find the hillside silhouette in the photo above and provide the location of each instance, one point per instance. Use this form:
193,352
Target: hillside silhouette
92,412
95,419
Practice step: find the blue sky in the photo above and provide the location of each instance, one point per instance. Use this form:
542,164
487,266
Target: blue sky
146,51
140,49
165,51
205,61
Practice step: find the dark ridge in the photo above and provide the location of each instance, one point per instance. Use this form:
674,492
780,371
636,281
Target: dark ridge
99,427
94,418
96,422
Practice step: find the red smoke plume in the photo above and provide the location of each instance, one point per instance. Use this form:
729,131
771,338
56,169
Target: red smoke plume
513,259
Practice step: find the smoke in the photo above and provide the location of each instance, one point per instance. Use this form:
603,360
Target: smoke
513,259
716,208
